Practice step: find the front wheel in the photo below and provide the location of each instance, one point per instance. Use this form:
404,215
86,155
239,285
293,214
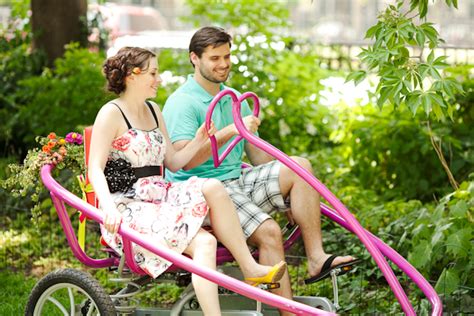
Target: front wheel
69,292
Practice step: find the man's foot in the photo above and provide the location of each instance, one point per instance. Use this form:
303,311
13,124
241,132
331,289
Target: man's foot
331,262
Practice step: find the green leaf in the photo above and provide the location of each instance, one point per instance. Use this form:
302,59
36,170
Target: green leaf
435,73
421,254
384,94
423,8
413,102
426,103
446,88
448,282
420,38
440,61
357,76
458,243
423,69
459,209
404,52
454,3
431,57
437,97
438,235
413,4
437,111
438,213
372,31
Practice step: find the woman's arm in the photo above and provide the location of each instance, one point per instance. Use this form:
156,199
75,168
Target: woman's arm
177,159
106,127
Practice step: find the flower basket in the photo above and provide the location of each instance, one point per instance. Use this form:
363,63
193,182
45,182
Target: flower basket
66,153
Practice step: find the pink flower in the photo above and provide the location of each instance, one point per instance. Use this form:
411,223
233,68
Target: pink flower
121,143
199,210
74,138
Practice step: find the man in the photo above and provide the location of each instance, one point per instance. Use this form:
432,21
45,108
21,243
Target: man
256,191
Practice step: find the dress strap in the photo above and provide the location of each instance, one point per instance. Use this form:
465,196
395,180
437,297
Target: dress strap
153,112
123,114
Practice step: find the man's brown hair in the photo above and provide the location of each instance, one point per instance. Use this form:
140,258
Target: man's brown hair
208,35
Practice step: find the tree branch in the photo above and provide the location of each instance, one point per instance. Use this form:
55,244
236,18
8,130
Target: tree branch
439,152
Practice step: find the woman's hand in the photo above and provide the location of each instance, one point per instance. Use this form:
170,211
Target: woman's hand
202,134
112,219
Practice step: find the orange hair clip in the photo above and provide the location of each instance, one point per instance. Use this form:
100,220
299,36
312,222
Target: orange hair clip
136,71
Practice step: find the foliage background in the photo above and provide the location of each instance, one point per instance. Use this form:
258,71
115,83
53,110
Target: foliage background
380,163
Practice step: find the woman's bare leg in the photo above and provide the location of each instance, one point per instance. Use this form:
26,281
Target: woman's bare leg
203,251
226,226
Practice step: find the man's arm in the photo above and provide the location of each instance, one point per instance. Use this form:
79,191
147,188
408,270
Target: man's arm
203,154
222,136
256,155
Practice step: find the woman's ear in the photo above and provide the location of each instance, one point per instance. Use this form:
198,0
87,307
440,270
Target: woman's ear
130,78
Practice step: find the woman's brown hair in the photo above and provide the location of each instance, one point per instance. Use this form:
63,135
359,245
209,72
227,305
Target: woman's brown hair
118,67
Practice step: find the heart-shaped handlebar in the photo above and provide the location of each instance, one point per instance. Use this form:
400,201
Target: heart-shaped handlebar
236,107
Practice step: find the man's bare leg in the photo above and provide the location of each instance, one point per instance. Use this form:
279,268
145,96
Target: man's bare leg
306,212
268,239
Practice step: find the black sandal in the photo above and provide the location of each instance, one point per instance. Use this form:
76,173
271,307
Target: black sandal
326,269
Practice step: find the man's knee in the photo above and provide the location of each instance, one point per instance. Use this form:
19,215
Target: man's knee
303,162
268,234
287,173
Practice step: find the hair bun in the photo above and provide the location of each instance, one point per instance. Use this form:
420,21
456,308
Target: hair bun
118,67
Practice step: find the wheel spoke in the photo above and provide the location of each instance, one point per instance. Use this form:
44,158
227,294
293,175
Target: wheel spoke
59,305
92,309
71,300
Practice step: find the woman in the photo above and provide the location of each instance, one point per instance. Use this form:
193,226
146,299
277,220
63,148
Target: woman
130,137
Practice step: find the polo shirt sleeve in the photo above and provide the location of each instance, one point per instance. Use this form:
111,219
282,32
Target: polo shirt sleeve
181,117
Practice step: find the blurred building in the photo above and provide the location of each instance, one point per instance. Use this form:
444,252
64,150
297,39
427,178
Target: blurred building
330,21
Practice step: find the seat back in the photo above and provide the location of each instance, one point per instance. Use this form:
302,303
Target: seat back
90,195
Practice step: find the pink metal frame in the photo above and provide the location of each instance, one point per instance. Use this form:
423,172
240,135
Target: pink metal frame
61,197
340,213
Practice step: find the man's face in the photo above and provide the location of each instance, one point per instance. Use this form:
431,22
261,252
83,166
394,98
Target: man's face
214,64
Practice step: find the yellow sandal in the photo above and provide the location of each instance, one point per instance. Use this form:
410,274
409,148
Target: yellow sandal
272,277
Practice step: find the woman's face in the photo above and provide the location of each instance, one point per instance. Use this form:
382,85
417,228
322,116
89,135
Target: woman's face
149,80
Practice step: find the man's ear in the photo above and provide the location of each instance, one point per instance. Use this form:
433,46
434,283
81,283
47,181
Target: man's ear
194,58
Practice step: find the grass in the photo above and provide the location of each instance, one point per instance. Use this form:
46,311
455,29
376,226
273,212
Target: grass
14,290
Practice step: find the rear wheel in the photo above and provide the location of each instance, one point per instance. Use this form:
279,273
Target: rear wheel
69,292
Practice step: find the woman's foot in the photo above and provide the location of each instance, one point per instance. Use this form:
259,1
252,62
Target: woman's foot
273,275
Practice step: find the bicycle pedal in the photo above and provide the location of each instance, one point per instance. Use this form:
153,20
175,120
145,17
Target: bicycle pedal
268,286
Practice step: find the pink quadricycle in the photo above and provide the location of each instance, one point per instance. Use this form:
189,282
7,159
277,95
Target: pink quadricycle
73,292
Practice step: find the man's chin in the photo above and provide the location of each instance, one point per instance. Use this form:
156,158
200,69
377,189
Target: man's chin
222,79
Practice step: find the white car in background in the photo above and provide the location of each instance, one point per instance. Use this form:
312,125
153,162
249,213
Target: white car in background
130,25
153,40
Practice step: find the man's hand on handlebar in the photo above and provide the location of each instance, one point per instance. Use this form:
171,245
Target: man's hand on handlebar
251,124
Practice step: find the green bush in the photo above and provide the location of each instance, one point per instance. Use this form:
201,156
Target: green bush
64,98
18,62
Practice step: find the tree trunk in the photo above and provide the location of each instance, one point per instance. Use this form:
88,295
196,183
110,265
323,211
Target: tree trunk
56,23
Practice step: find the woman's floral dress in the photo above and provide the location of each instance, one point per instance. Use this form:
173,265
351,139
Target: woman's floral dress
167,213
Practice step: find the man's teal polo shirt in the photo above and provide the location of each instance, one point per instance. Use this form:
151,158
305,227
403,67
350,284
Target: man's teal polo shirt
185,111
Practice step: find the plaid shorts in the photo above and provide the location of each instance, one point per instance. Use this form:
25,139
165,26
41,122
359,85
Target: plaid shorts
256,194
